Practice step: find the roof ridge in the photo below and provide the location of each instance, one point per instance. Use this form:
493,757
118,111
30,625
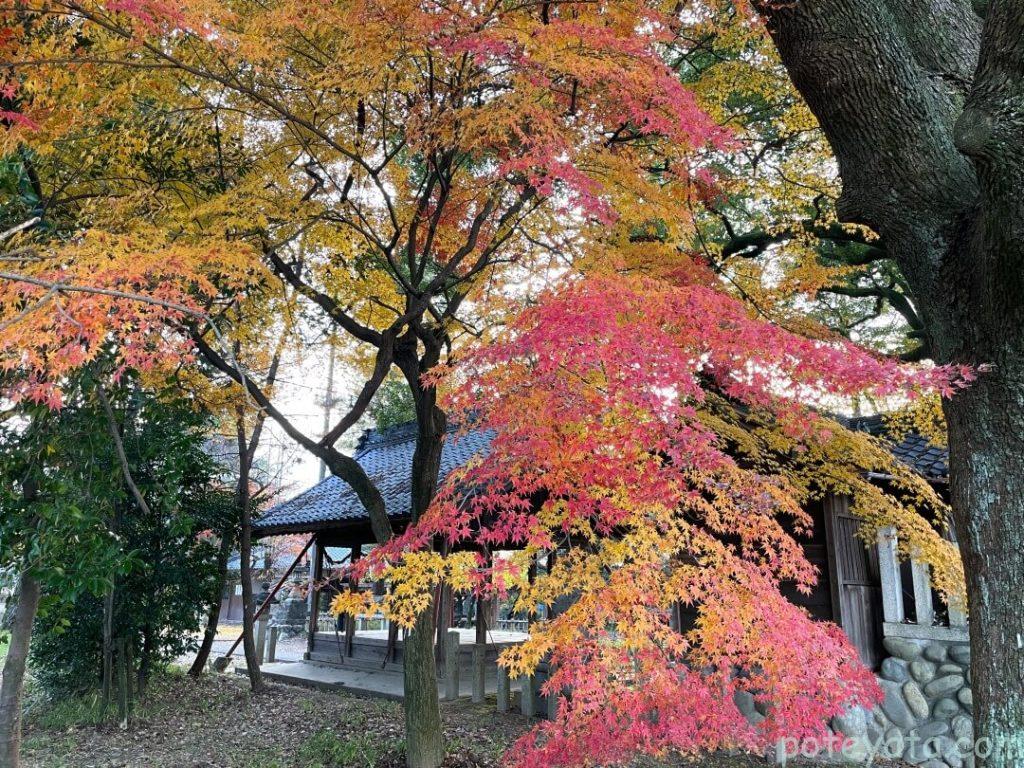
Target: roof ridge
373,437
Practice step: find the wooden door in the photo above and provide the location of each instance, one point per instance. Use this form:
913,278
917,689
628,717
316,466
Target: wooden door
855,582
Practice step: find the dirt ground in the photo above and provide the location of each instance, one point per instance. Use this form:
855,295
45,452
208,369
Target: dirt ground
217,723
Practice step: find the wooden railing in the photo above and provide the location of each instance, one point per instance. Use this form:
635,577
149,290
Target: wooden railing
927,623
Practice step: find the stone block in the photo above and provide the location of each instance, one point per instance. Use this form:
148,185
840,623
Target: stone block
945,709
931,749
744,701
966,697
943,686
902,648
936,652
931,729
963,728
922,671
915,699
853,722
895,707
895,669
961,654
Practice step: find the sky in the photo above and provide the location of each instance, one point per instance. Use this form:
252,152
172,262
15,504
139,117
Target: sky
301,394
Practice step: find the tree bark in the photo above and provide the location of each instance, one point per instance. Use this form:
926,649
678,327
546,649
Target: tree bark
923,105
14,671
423,734
107,665
242,496
213,617
986,440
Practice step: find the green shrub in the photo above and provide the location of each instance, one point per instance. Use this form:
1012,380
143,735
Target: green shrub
167,572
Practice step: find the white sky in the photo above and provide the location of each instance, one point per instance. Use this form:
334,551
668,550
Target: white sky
300,394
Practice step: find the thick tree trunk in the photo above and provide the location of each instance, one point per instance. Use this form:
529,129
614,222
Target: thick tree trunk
923,104
986,426
423,736
213,617
14,671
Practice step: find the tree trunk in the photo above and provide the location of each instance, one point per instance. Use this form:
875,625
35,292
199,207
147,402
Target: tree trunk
252,662
14,671
108,648
145,657
986,426
923,105
213,617
424,737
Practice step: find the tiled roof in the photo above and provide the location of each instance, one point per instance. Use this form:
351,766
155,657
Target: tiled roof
929,460
387,457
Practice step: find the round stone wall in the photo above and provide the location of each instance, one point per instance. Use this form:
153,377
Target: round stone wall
925,717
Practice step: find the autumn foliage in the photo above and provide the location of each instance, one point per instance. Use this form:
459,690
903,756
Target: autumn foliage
656,438
389,163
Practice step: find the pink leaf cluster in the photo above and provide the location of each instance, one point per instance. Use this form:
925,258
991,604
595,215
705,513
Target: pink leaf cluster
600,454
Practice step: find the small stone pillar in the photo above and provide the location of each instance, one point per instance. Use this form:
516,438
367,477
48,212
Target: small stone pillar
261,636
527,704
451,666
552,702
272,644
504,686
479,670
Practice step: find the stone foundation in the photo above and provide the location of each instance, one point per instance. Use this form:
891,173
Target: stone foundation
925,718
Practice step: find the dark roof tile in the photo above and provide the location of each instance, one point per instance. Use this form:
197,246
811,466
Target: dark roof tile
387,456
912,449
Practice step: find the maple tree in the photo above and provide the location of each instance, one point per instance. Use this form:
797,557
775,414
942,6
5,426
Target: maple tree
395,164
661,442
391,161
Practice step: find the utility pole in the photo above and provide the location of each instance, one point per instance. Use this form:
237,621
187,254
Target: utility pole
328,399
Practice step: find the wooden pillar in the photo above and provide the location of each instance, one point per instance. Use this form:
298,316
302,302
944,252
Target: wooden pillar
353,585
316,572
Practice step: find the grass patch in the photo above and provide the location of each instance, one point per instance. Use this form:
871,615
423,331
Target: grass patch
46,712
70,712
5,643
326,749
